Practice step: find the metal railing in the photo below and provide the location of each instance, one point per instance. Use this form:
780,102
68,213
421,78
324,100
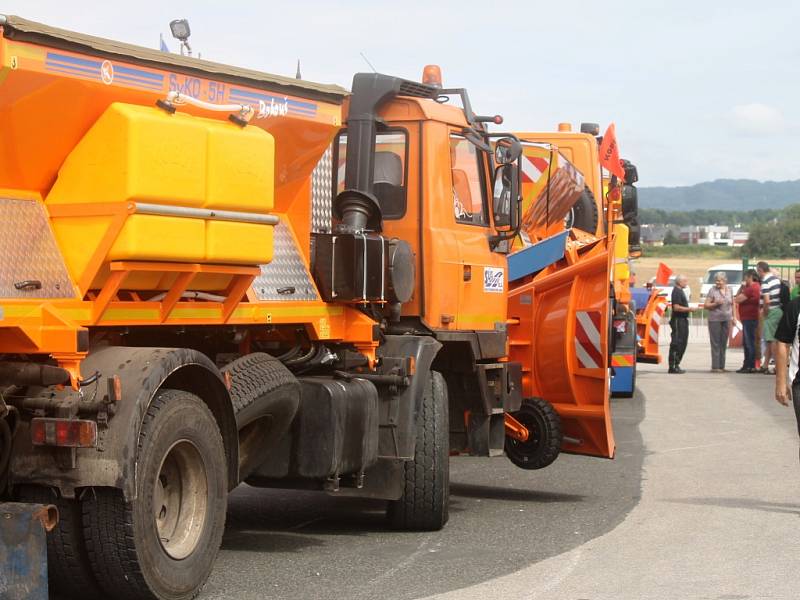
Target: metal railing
785,270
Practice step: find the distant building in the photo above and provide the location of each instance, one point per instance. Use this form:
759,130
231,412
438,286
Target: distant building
653,235
712,235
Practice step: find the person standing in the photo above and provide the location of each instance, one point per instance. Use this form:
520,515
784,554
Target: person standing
787,353
771,310
719,304
796,289
747,298
679,323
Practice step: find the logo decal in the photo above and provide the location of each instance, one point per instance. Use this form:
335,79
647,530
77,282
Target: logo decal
107,72
493,280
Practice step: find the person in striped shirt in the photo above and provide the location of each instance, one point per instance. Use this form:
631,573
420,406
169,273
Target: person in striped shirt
771,310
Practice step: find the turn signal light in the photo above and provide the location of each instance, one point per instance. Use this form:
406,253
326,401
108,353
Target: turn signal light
432,75
68,433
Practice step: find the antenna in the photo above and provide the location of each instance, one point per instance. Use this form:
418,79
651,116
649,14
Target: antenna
366,60
297,75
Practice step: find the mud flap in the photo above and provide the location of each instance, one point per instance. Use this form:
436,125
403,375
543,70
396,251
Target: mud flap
560,337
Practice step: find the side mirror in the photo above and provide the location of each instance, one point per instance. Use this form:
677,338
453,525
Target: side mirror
507,150
506,199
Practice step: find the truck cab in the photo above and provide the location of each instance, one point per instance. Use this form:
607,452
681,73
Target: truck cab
423,168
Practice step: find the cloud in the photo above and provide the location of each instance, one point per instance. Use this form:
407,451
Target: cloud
757,119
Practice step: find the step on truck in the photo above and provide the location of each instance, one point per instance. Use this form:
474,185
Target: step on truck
188,301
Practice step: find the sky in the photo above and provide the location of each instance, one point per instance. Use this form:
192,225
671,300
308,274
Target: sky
699,90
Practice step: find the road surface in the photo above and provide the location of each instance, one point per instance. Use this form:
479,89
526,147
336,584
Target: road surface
700,502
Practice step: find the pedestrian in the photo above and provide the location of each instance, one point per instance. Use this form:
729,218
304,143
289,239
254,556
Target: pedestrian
747,298
719,304
679,322
796,289
771,310
787,385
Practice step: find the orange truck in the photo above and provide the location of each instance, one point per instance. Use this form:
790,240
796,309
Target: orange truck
193,295
607,208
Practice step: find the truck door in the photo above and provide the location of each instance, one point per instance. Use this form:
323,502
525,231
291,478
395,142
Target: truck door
465,280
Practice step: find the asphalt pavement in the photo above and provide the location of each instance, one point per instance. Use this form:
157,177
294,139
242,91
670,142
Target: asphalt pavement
701,502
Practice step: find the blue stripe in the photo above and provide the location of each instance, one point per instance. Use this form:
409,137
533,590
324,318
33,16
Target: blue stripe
72,69
143,74
137,82
70,59
306,105
72,72
137,78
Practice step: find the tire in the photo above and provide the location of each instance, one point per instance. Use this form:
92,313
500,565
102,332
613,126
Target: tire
69,571
585,215
426,491
545,436
265,398
180,447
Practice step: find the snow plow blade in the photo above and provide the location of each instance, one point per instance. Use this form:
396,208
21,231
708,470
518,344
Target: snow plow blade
559,332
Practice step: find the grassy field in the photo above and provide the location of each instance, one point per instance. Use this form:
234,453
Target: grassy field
692,251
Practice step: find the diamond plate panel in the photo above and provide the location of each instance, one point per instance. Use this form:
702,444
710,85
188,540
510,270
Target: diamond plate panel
322,193
28,251
287,270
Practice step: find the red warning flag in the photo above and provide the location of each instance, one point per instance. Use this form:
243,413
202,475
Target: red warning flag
609,153
662,274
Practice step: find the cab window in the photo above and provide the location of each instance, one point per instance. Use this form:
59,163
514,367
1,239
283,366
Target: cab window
389,182
469,203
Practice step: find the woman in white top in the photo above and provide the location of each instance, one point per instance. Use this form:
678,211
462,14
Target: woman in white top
719,303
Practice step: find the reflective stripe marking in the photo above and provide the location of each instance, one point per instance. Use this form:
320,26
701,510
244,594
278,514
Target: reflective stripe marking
655,321
584,360
588,346
622,360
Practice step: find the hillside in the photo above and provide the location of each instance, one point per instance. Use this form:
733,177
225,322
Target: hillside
722,194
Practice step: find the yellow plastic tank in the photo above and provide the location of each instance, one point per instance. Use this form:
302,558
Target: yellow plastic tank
139,154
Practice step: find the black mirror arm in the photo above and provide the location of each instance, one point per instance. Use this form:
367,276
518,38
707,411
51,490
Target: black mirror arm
476,139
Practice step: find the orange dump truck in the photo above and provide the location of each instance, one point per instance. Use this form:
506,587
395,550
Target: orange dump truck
192,295
605,206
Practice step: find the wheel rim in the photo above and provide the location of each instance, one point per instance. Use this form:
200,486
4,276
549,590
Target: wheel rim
523,451
569,219
180,499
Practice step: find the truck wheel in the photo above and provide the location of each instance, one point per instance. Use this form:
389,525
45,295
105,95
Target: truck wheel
544,442
265,398
163,544
426,493
69,572
585,215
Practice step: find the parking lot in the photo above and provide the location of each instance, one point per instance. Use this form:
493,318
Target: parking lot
700,502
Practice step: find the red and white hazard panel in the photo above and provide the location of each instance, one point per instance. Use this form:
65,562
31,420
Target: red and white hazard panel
588,346
532,168
655,321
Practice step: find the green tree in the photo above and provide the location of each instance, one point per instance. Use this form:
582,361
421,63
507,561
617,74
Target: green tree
670,239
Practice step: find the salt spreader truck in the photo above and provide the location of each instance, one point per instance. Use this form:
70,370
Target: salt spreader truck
189,301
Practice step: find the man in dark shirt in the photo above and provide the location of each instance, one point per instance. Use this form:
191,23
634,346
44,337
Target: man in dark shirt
787,351
679,322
